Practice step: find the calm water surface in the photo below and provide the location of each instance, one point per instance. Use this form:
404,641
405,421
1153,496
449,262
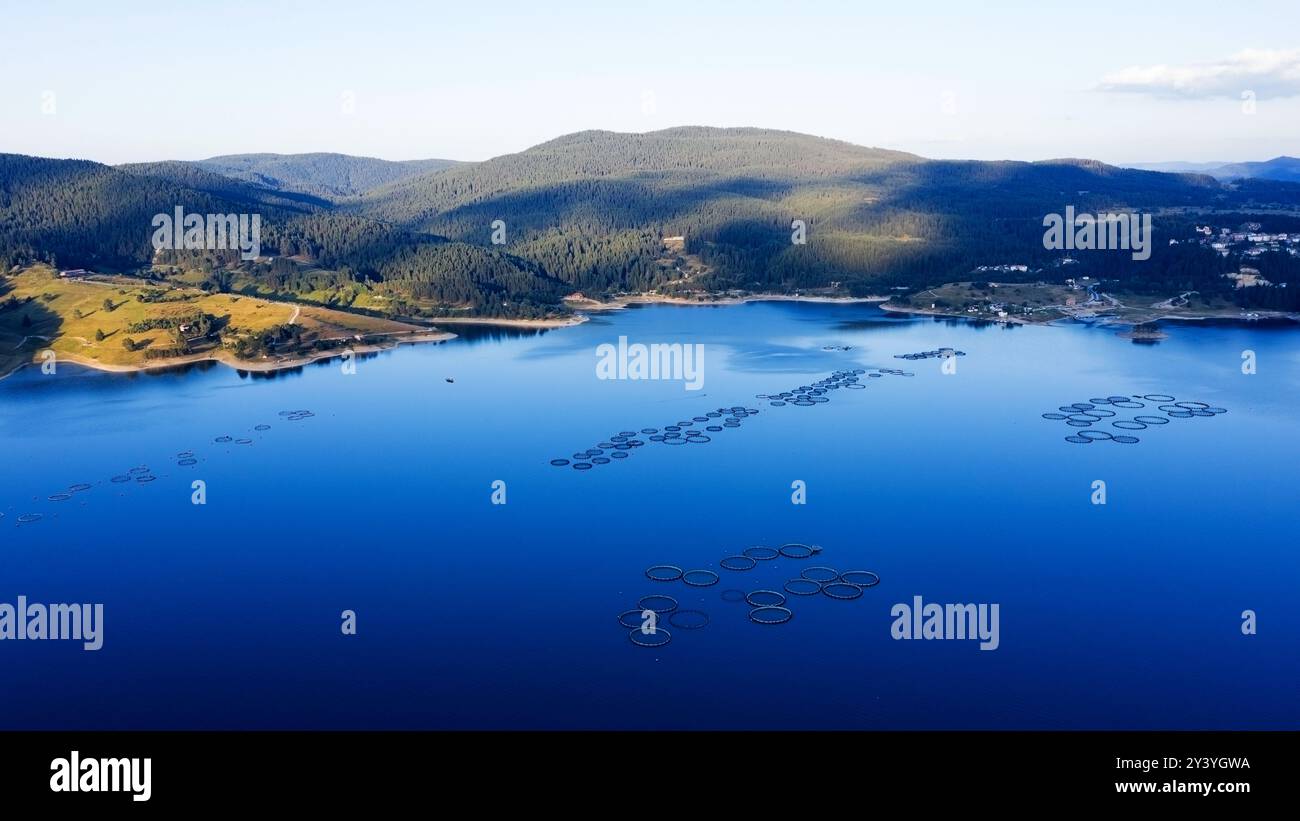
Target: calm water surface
477,615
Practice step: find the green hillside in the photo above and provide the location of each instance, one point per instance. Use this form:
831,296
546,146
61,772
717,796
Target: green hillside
79,214
594,209
686,211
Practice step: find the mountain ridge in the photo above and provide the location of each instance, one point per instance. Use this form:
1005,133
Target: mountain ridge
1282,168
322,174
691,209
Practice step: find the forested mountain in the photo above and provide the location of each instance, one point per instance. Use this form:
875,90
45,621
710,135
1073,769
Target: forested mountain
593,208
324,175
676,157
682,210
75,213
231,189
80,213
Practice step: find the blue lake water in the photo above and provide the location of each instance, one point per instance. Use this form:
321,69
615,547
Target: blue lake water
475,615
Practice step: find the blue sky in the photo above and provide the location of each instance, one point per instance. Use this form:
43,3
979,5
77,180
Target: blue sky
1112,81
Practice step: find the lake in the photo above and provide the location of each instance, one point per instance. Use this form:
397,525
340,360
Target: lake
470,614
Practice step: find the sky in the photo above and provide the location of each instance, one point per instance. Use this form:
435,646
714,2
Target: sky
1120,82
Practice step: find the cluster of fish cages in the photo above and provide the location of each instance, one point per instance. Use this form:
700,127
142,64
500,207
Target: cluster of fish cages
1097,413
142,474
766,606
937,353
698,430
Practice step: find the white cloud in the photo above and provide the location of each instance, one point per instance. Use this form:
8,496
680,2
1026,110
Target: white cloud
1266,72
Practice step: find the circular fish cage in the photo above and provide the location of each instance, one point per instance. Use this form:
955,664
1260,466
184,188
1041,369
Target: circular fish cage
770,615
861,578
1151,420
737,563
803,587
765,598
795,550
821,574
700,578
842,590
657,603
663,573
658,638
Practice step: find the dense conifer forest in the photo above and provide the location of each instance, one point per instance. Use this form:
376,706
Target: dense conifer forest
686,210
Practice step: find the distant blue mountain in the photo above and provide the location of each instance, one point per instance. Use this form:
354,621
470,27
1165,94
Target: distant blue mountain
323,175
1283,169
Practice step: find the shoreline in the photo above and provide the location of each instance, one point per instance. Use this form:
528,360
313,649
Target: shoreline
581,303
1099,319
621,302
1006,320
251,365
510,323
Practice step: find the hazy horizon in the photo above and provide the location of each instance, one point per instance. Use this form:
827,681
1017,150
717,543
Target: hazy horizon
1134,163
402,81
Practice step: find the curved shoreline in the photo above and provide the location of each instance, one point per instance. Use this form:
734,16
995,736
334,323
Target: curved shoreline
569,322
580,303
1100,319
251,365
1008,320
618,303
